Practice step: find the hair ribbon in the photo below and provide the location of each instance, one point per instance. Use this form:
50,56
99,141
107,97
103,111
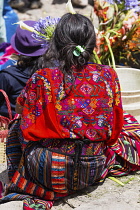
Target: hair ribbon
78,50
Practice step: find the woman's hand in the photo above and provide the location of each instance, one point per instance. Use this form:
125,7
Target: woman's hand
18,109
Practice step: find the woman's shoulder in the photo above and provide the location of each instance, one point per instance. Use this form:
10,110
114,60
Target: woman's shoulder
97,66
8,71
46,75
8,68
101,69
47,72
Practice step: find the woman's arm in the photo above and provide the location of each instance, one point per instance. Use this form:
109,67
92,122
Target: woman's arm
18,108
20,101
117,110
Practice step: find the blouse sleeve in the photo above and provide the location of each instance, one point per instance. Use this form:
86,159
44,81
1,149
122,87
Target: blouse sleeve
117,110
38,119
23,95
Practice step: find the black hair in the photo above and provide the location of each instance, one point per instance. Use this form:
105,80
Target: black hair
32,63
72,30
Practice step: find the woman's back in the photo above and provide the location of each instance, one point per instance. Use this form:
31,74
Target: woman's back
80,108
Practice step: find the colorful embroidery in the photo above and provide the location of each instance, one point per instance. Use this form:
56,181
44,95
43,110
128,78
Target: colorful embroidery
83,108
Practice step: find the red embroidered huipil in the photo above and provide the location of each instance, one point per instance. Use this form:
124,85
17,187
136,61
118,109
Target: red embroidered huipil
87,107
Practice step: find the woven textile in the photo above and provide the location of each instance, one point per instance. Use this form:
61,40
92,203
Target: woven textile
88,107
41,179
60,172
29,201
124,156
56,172
13,147
4,122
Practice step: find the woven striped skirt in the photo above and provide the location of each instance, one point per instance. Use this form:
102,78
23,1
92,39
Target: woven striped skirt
46,173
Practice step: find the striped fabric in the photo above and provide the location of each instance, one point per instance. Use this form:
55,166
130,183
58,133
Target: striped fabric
60,173
46,174
13,147
29,201
124,156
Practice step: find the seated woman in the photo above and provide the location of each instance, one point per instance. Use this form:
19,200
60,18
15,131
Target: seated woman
74,132
29,59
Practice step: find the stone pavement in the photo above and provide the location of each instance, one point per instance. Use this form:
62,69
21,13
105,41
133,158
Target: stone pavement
54,8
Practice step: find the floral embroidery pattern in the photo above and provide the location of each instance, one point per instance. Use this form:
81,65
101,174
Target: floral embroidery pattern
83,109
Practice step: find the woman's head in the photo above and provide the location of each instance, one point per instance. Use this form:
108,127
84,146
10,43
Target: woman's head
25,44
71,31
29,49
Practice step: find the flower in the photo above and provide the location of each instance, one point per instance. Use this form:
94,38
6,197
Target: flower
45,28
118,29
24,26
127,4
117,33
42,30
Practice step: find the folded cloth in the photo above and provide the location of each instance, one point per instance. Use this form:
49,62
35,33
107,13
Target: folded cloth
6,56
